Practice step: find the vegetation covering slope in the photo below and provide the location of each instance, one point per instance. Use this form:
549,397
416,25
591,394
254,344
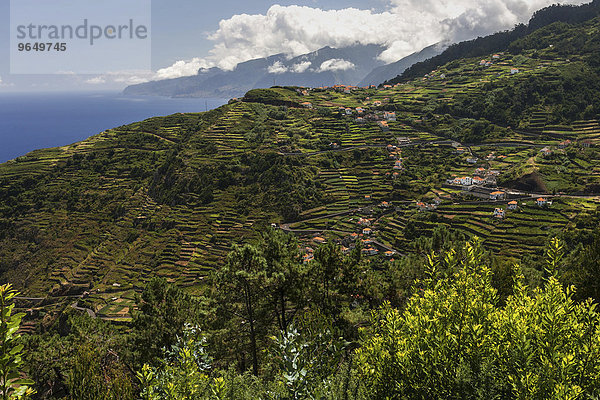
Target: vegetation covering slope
245,248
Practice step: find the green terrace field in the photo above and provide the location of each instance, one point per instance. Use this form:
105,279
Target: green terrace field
169,196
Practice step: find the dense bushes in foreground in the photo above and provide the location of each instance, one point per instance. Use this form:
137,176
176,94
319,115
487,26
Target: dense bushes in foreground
454,338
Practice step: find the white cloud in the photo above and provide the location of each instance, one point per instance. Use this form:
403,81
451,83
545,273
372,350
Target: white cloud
120,77
277,68
336,64
405,27
301,67
98,80
182,68
5,84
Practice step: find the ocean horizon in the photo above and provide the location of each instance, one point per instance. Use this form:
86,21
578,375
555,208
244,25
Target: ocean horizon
31,121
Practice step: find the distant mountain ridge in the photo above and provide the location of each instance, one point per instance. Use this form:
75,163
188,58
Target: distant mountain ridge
385,72
324,67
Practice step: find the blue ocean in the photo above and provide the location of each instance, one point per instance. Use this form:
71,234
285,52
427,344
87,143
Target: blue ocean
30,121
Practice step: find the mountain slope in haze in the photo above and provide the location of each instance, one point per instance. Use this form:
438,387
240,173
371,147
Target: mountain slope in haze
324,67
389,71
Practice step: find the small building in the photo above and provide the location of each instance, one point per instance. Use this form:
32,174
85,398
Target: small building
390,116
464,181
367,197
499,213
472,160
483,62
513,205
307,104
348,111
477,180
383,125
398,165
388,254
497,195
385,204
377,103
480,171
308,258
421,206
345,250
586,143
364,222
367,231
514,71
319,240
546,152
370,251
541,202
565,144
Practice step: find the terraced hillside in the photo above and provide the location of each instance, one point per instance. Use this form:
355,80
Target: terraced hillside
168,196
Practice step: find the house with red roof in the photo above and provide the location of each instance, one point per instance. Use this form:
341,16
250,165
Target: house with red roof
499,213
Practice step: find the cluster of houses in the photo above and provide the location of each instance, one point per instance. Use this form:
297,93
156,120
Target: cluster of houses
349,242
396,155
422,206
547,151
481,177
362,115
514,205
492,156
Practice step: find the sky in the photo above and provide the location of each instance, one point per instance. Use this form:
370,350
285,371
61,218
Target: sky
191,34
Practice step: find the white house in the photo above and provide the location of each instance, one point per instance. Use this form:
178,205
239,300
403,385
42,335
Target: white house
541,202
499,213
477,180
390,116
370,251
465,181
514,71
512,205
497,195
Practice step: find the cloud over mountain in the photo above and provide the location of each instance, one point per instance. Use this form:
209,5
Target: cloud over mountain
336,64
405,27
